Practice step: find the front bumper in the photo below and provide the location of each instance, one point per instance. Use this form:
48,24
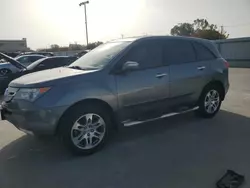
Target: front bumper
29,118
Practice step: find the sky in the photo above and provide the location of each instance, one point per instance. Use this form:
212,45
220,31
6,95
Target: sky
46,22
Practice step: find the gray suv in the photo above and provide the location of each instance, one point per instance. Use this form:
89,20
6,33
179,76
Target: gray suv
117,83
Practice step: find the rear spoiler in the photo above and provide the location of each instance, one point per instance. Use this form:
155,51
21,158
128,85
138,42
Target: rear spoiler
12,61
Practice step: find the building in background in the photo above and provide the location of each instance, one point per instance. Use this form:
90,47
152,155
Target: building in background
236,51
13,45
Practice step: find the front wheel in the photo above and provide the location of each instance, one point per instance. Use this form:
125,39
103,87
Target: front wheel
210,102
85,129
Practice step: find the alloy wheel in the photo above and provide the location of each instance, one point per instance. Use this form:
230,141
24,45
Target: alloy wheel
88,131
212,101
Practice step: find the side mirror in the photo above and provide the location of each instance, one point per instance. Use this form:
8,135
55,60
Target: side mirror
130,65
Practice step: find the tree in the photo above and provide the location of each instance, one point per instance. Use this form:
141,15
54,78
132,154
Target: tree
182,29
54,46
94,45
199,28
76,46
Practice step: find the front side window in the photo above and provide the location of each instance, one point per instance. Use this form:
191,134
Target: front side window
147,54
100,56
52,62
68,60
35,58
35,64
178,52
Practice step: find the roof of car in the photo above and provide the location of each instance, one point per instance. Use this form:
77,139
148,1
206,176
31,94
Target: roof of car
131,39
54,57
31,55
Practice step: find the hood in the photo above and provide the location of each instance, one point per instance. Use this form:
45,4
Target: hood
48,77
12,61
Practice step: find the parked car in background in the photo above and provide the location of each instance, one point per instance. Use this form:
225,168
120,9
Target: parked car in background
118,83
41,64
9,65
51,62
26,60
12,54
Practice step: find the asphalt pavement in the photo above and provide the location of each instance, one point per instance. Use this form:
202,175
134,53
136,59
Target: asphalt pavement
176,152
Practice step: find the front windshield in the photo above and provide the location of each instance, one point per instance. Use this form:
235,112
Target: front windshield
100,56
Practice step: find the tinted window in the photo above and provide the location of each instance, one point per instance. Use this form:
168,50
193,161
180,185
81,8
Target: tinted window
68,60
35,64
34,58
178,51
54,62
22,59
147,54
202,52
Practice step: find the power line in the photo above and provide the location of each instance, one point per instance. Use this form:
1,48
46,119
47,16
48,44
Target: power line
238,25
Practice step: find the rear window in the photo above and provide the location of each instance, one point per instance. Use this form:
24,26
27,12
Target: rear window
202,52
178,52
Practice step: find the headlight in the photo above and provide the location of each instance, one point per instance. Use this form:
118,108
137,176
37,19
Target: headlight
30,94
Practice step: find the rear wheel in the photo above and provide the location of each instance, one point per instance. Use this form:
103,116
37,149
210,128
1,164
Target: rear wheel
85,129
210,101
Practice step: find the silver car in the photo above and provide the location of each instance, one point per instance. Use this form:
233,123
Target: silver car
13,64
115,84
9,65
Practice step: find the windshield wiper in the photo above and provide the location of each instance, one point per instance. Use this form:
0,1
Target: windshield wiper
82,68
76,67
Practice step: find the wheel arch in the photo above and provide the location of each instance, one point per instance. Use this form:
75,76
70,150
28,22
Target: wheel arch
92,101
218,84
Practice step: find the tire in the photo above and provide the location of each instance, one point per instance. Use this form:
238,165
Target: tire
77,125
209,105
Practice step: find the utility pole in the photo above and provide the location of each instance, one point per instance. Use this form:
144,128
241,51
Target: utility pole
221,30
86,23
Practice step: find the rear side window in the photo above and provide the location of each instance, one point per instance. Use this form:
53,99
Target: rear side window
148,54
178,52
203,53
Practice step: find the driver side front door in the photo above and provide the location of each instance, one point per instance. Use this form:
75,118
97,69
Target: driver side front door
143,91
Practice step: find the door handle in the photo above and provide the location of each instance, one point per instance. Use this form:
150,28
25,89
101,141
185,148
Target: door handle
201,68
161,75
